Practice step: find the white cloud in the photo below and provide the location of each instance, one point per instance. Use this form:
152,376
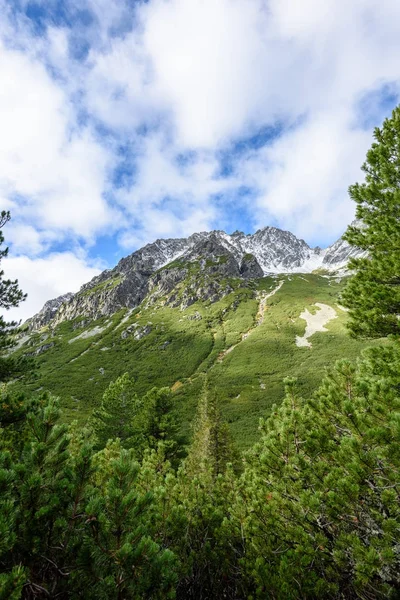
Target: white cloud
45,278
59,170
210,72
117,86
28,240
192,76
302,178
170,197
211,63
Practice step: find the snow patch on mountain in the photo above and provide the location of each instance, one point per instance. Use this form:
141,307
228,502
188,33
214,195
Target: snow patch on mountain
269,251
315,323
277,251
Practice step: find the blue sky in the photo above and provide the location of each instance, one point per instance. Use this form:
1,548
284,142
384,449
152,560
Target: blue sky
125,121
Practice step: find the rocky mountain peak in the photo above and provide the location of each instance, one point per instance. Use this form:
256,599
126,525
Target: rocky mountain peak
199,263
48,312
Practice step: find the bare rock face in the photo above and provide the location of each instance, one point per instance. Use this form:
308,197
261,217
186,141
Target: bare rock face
137,331
106,297
338,255
48,312
41,349
201,273
180,272
250,268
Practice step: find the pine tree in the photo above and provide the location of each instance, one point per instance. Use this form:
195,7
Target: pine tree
373,293
139,423
318,503
121,559
72,525
42,490
199,498
212,447
115,416
10,296
190,511
155,422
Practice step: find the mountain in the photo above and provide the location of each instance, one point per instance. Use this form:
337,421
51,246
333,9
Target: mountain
235,313
204,261
48,312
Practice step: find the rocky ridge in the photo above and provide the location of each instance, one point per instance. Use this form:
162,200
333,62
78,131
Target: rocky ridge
49,310
178,272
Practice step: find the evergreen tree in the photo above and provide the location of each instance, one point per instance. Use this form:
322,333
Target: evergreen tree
155,422
318,503
139,423
373,293
67,531
115,416
42,490
200,496
190,515
212,447
122,561
10,296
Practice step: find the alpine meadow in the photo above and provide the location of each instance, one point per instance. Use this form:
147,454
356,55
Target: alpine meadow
218,416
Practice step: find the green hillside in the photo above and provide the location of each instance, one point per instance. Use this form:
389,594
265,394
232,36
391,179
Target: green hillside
244,354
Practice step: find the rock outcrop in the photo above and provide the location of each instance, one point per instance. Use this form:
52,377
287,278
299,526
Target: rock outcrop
179,272
48,312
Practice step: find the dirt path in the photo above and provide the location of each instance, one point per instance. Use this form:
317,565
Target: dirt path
262,307
315,323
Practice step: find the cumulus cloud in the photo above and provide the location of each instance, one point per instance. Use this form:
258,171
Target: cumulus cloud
209,61
46,278
58,170
28,239
209,74
119,116
302,177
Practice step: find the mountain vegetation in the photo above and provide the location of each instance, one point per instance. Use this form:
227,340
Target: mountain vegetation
10,295
136,482
373,294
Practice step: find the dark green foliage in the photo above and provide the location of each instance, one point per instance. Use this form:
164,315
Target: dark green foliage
63,535
155,422
121,559
212,448
45,492
201,535
197,501
191,516
139,423
319,499
11,584
11,367
315,513
373,293
115,416
13,408
10,296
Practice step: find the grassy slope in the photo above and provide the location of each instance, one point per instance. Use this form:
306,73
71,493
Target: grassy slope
248,380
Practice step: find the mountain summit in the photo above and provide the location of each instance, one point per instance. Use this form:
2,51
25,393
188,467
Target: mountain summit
181,271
